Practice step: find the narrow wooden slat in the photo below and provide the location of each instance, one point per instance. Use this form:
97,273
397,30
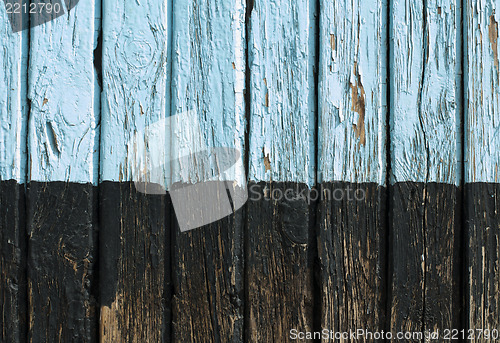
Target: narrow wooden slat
482,167
352,164
279,235
62,146
13,127
13,291
208,80
425,95
134,253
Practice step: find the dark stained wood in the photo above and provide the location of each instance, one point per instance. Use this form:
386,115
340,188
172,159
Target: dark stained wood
208,282
352,256
482,213
279,257
62,248
13,291
134,267
424,257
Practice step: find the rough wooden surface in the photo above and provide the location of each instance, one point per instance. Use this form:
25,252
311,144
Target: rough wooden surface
13,127
13,101
63,135
134,266
352,92
352,154
279,257
208,79
425,153
208,283
135,246
303,254
482,161
62,254
351,246
62,146
279,235
13,290
282,58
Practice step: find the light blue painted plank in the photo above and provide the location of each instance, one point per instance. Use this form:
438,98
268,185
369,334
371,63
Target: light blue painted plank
482,119
133,129
352,92
134,87
482,163
13,101
63,137
425,114
208,81
282,124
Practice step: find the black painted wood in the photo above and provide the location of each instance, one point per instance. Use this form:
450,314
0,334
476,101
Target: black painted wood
13,253
135,283
209,296
352,252
482,273
424,260
62,287
279,253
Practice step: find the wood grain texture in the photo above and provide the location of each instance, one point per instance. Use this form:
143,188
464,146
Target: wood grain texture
13,101
136,230
351,250
482,213
134,265
208,283
208,79
352,154
13,253
425,150
482,165
279,234
282,57
63,146
63,90
424,68
279,261
13,128
352,92
62,229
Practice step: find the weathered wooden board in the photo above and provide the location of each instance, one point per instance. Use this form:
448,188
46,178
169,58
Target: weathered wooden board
62,153
352,164
482,166
280,232
13,127
135,239
13,101
425,113
208,80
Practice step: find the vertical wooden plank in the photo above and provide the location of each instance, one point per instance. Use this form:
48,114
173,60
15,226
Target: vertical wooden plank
425,68
352,164
208,79
279,234
134,279
482,166
62,145
13,127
